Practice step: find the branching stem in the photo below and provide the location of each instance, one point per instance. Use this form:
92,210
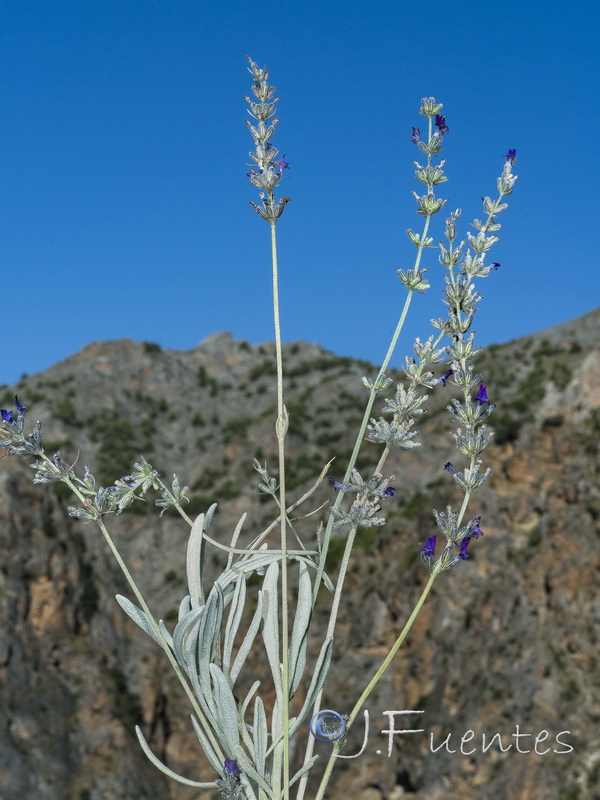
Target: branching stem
144,606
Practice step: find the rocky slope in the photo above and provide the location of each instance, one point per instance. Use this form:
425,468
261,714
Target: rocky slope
507,643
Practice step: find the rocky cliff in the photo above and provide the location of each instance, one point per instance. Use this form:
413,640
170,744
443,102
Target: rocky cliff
503,663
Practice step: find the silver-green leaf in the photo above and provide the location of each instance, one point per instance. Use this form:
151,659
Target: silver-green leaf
138,616
298,639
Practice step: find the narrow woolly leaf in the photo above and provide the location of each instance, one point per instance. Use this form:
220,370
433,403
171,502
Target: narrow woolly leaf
251,691
215,761
194,562
207,702
208,635
159,765
247,742
328,582
277,771
228,713
271,626
260,736
138,616
309,765
184,607
277,722
234,538
317,681
258,561
247,566
246,645
298,639
165,633
246,765
184,635
233,620
195,556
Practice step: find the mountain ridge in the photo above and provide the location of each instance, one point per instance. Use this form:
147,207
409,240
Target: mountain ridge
509,639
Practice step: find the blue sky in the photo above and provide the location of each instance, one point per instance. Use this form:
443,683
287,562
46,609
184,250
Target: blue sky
123,197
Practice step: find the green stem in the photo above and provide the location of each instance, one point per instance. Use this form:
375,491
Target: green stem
373,682
357,445
281,429
371,401
465,503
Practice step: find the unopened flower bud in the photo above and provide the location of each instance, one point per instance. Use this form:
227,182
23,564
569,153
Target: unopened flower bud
429,108
413,279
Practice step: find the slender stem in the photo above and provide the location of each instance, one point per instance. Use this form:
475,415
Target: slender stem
465,503
358,444
374,680
371,401
383,459
281,429
340,582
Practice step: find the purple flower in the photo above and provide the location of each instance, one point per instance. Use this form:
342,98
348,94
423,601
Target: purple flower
390,491
463,555
445,376
475,530
20,408
511,156
282,164
7,416
416,136
336,484
450,468
495,265
231,767
440,124
428,548
481,396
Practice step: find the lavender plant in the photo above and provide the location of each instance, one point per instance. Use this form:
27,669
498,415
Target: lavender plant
246,742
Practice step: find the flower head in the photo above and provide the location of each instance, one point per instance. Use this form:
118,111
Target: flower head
511,156
428,548
448,465
390,491
6,415
269,169
481,397
475,530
